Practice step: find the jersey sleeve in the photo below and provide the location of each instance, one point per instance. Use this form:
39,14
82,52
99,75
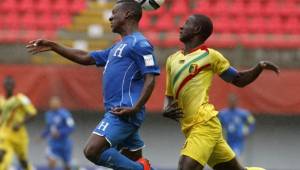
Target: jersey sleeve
169,91
219,62
145,58
27,105
100,56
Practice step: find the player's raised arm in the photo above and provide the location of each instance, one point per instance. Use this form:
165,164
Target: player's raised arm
243,78
75,55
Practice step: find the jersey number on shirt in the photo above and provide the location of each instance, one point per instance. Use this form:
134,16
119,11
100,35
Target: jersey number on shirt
119,50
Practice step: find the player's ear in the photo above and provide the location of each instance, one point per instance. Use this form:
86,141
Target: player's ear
128,14
197,29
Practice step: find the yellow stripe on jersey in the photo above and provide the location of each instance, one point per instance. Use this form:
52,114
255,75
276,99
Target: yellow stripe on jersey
188,80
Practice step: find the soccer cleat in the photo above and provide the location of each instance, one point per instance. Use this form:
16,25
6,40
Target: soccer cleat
145,163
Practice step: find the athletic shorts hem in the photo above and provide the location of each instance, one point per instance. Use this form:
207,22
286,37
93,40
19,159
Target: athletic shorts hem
194,158
96,133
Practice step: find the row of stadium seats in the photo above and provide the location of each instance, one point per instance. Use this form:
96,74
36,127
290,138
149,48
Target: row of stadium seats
232,8
223,24
41,6
279,41
23,36
44,21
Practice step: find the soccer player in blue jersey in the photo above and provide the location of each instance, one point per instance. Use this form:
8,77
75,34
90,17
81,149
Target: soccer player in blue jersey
128,81
59,126
238,123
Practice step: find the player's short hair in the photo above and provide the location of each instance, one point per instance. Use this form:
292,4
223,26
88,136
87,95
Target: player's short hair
206,23
133,6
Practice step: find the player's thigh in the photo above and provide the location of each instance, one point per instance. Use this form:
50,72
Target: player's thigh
187,163
21,148
114,129
201,141
7,157
223,157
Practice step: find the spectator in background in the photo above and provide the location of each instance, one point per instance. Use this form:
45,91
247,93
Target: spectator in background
238,123
59,126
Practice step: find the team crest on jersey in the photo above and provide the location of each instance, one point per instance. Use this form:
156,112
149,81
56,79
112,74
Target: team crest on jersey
193,68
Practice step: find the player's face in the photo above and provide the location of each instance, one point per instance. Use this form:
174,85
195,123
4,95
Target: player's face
9,85
117,19
187,30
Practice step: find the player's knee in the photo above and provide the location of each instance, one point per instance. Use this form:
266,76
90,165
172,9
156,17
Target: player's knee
91,153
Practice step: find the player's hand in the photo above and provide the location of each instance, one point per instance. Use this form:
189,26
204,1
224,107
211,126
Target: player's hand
39,45
124,111
55,134
16,127
173,112
269,66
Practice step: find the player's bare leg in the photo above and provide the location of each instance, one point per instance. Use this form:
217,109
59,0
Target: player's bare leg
187,163
25,165
230,165
51,163
132,155
94,147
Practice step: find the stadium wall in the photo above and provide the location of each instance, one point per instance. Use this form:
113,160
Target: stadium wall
274,144
80,88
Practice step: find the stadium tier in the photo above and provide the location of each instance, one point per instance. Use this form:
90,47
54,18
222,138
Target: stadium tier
259,23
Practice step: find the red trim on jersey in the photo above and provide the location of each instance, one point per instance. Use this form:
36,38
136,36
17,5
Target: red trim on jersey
189,77
202,47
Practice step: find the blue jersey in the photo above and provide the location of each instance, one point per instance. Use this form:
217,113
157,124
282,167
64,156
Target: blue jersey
125,65
61,121
237,123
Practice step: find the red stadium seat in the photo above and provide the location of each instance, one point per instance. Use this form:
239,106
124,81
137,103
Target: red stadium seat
239,25
8,6
271,8
165,23
179,8
145,23
76,5
11,21
220,8
43,6
64,19
273,25
292,25
237,8
254,8
46,21
202,7
28,21
26,5
256,25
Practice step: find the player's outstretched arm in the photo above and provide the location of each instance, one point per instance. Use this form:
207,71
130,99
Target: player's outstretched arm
243,78
75,55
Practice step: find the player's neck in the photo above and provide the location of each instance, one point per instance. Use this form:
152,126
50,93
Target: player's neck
9,94
129,29
191,45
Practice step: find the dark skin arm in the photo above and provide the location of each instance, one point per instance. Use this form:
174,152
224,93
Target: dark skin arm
26,120
246,77
243,78
75,55
146,93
